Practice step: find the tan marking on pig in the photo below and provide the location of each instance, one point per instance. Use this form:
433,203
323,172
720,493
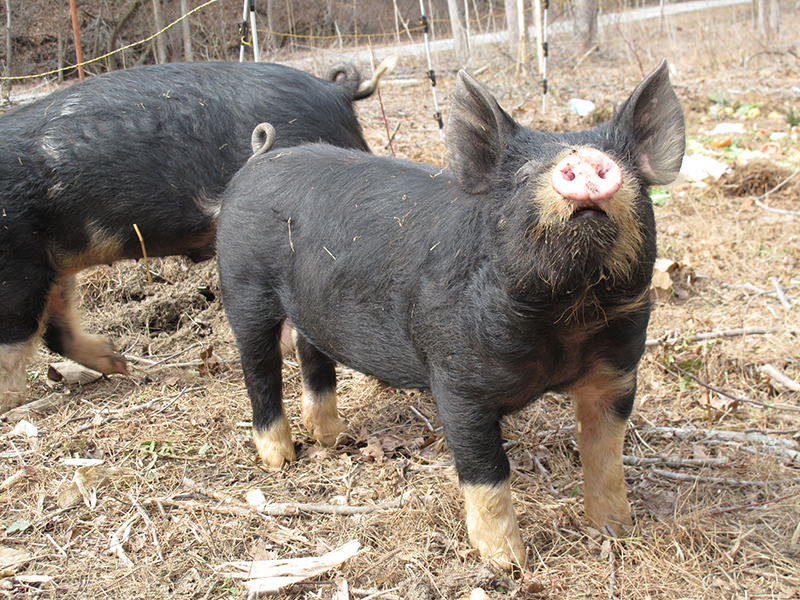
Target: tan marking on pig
601,434
274,445
555,211
492,525
103,248
319,412
321,417
13,359
93,351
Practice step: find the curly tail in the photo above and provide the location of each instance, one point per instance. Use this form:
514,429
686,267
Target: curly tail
347,76
262,139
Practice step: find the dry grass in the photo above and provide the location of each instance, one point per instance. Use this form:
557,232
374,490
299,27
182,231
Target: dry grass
700,538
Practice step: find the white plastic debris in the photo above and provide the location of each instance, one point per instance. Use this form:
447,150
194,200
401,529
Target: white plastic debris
581,106
24,428
697,167
727,128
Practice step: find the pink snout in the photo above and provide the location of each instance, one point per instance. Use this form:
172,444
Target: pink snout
587,177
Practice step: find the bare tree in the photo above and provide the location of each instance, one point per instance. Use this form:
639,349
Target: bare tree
586,24
512,26
459,34
769,17
6,87
161,47
186,33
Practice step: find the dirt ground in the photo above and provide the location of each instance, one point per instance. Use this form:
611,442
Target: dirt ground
713,447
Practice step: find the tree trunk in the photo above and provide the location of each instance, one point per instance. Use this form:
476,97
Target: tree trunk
586,24
459,35
774,16
187,33
6,87
512,26
161,48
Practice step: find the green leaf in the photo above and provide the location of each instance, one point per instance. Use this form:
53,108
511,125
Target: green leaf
659,196
20,525
717,97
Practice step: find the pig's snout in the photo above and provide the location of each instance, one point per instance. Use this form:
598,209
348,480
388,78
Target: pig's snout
587,177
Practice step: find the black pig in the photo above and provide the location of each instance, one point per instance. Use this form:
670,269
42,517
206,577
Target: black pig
152,146
524,267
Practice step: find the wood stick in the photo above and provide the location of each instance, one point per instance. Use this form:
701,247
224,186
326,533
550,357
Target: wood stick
709,335
719,480
721,392
781,294
775,374
640,461
720,511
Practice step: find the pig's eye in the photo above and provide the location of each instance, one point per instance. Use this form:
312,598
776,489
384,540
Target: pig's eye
522,175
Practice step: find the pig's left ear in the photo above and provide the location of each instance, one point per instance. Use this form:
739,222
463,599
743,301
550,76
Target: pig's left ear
477,132
653,117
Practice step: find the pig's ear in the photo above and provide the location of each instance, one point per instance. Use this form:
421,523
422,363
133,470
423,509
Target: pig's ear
477,132
653,116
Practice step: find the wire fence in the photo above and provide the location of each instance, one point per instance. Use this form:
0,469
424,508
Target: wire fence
491,19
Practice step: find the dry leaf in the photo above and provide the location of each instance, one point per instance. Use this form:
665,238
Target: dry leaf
373,450
71,372
25,428
661,286
12,559
272,576
84,485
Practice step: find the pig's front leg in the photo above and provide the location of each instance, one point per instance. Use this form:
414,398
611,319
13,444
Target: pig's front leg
603,400
473,435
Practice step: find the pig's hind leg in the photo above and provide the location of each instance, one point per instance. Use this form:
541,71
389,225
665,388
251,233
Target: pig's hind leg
257,329
23,294
320,414
603,400
64,334
474,437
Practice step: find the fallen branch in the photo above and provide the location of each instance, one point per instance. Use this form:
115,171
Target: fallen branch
721,392
710,335
774,374
640,461
720,511
779,446
719,480
117,413
781,294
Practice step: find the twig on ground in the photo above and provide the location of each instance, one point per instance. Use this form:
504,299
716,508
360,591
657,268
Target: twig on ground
779,446
422,417
719,480
545,475
150,525
721,392
640,461
117,413
781,294
370,594
709,335
120,537
776,375
233,506
720,511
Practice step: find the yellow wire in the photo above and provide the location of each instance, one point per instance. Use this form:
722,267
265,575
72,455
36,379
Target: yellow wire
118,50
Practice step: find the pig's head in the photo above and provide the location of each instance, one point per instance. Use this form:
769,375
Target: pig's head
570,210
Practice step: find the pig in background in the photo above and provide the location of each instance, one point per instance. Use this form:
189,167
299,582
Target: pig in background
521,268
152,146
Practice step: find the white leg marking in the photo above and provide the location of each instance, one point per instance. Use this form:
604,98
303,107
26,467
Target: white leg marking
492,524
274,445
321,417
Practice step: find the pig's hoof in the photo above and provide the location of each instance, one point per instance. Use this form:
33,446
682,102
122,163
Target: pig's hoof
492,525
321,417
618,527
96,352
274,445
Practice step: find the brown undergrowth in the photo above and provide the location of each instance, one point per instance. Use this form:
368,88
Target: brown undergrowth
716,516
